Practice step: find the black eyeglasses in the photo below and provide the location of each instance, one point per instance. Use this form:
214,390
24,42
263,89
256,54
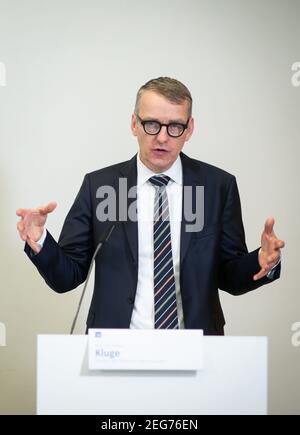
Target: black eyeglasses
152,127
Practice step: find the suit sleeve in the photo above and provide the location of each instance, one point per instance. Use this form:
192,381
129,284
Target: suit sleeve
64,265
237,266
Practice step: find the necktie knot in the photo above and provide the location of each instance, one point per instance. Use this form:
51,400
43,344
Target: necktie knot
159,180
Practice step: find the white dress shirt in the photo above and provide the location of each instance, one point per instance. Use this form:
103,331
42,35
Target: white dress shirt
143,310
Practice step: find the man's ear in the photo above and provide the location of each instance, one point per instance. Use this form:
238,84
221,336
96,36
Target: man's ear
190,129
134,124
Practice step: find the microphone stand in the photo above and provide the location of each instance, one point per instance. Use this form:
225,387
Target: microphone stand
99,246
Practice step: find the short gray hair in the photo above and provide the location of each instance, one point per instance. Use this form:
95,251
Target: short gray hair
172,89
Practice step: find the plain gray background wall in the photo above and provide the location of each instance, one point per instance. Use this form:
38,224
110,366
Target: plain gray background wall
69,74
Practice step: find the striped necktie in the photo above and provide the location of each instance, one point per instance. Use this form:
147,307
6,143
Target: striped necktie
165,305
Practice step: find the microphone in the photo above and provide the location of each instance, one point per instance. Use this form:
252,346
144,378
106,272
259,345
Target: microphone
105,236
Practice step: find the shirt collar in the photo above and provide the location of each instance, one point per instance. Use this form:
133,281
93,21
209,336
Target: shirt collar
144,173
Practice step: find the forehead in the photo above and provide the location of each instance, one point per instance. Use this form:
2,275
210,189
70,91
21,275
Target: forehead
155,106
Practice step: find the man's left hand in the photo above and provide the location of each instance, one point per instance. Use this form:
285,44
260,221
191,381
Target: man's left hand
269,254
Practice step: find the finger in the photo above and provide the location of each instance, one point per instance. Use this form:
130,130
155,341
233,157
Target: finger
273,258
20,226
21,212
22,233
269,224
279,244
48,208
260,274
270,266
21,229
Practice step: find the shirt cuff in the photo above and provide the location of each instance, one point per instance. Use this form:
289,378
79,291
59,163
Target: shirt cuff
41,241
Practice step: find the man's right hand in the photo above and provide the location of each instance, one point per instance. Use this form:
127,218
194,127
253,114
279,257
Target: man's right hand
32,223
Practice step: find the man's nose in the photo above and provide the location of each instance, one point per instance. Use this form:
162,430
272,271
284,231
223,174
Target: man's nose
163,135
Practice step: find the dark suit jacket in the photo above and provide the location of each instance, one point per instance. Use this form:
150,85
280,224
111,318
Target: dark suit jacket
211,259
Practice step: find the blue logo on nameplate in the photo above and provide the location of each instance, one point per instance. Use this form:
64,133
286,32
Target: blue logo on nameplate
98,334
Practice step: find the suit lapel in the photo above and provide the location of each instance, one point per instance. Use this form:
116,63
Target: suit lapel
131,227
192,178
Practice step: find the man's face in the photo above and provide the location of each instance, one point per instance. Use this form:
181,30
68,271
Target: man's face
160,151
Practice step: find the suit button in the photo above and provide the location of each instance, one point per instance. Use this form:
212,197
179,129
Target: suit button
131,300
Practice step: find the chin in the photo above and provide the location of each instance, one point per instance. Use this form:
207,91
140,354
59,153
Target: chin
162,167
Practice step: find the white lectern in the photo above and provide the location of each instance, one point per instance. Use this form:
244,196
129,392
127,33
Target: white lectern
233,381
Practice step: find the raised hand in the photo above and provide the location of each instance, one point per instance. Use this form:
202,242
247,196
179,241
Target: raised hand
32,223
269,253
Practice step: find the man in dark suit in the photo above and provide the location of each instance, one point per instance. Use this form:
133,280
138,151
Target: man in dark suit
163,269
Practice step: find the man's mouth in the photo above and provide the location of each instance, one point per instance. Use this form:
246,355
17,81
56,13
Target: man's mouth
160,151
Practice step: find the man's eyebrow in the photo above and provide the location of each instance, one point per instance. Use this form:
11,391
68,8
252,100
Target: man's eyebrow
172,121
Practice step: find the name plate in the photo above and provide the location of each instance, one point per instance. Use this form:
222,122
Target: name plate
136,349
